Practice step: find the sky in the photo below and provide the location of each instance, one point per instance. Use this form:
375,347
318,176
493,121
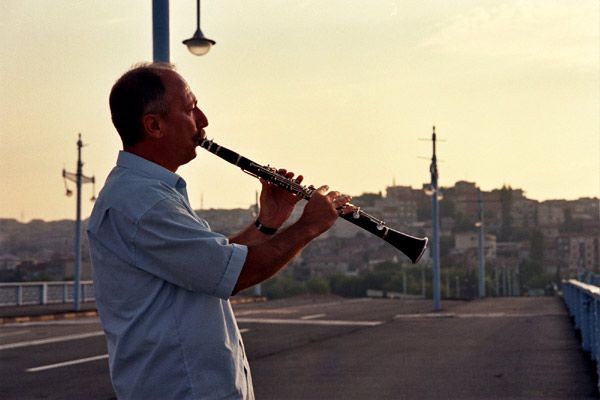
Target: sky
344,92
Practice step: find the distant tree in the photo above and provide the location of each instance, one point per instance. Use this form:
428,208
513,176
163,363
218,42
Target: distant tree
530,273
376,279
317,285
347,286
281,286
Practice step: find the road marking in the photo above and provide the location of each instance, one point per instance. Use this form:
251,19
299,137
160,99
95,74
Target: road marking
13,333
308,322
67,363
56,339
475,315
267,311
244,330
313,316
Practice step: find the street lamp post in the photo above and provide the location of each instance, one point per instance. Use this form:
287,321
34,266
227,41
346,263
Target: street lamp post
481,253
79,179
160,30
435,248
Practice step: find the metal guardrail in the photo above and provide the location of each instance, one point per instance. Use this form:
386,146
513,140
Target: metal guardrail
29,293
583,303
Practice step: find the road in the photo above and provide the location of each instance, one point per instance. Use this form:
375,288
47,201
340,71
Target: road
331,348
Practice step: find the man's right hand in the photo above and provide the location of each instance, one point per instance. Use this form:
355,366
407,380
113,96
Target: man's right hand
322,210
267,257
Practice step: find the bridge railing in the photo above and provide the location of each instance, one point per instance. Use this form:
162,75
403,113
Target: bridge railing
583,303
30,293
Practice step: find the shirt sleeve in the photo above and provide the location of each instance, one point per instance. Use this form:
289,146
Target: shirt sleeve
175,245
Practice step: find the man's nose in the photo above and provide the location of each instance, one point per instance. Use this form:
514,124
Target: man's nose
201,118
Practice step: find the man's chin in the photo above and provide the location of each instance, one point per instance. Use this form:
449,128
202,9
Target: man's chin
192,154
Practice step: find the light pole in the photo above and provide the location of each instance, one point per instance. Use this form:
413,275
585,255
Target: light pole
433,190
79,179
480,247
160,30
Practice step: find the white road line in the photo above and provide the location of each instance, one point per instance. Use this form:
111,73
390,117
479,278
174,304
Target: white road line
313,316
308,322
473,315
67,363
13,333
267,311
56,339
244,330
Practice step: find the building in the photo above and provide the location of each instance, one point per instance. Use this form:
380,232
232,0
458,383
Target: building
551,214
464,241
579,253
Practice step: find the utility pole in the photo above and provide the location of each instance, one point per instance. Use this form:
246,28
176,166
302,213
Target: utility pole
258,286
481,254
79,179
435,248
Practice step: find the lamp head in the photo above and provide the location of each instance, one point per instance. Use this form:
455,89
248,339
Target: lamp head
198,44
428,189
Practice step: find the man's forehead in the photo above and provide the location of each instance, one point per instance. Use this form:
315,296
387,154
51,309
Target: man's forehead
177,85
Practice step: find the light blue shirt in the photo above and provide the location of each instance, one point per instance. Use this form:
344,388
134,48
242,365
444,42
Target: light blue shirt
162,281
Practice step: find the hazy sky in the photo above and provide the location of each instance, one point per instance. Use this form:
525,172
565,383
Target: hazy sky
341,91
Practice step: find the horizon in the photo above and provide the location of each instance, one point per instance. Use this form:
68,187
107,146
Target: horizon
381,192
342,92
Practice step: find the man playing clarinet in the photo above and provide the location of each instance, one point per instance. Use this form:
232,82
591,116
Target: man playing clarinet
162,278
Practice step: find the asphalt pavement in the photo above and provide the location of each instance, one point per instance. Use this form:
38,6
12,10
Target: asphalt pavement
332,348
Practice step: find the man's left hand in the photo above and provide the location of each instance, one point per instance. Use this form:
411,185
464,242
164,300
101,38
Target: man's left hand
277,204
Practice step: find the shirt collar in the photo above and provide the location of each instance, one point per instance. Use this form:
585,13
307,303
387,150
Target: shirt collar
148,168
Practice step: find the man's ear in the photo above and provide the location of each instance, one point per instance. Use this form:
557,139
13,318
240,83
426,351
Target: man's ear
152,124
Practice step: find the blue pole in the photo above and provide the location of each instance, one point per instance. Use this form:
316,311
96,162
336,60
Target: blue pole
436,229
436,253
160,30
76,299
480,247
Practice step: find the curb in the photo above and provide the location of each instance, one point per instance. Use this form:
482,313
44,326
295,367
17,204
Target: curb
48,317
92,313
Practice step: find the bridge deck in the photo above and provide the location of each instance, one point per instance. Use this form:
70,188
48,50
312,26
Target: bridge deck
331,348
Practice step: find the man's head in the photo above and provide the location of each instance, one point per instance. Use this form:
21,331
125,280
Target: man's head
137,92
156,115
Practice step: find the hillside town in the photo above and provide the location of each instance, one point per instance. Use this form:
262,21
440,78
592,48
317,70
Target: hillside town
528,244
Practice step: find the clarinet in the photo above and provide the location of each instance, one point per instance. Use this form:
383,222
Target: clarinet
413,247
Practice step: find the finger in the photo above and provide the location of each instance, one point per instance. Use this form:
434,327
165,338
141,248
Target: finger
342,201
323,189
333,195
348,209
264,183
299,179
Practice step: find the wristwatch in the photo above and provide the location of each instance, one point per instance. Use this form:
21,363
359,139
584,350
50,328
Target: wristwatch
264,229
